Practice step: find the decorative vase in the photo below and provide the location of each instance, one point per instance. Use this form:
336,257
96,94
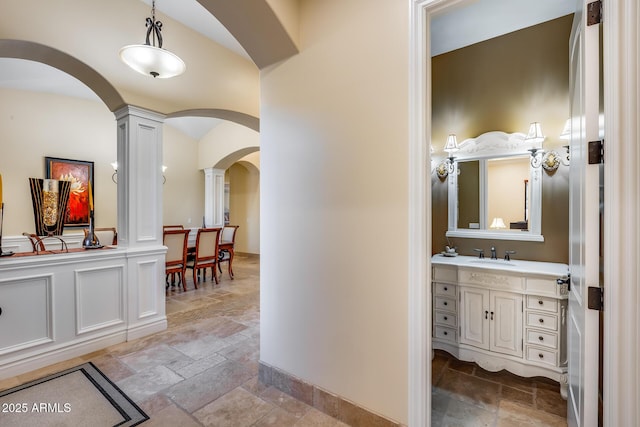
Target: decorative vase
91,240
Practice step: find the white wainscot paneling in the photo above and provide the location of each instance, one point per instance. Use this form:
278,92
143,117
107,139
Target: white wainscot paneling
99,298
27,313
147,288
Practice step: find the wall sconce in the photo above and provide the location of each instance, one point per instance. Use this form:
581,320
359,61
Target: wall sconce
114,177
451,146
535,137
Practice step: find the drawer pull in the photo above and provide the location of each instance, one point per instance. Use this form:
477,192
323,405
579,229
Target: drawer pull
486,314
541,338
445,303
446,289
540,302
446,318
541,356
492,315
541,320
446,333
0,311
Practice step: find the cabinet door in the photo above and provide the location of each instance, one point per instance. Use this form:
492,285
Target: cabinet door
474,317
506,323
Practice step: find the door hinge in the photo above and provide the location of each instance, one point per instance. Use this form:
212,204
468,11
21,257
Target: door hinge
595,298
596,152
594,13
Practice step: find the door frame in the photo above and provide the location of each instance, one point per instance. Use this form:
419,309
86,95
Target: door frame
622,175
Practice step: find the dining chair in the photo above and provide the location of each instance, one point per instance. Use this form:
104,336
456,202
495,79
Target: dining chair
206,254
172,227
176,257
106,235
227,247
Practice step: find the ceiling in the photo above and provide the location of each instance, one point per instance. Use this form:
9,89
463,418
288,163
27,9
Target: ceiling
451,30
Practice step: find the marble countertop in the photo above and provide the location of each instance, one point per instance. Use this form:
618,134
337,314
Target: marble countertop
516,266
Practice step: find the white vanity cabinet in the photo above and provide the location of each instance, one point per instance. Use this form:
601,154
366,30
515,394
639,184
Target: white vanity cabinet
491,320
502,314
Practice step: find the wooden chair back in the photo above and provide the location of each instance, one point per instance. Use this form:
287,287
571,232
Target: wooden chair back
106,235
172,227
206,253
207,244
229,233
176,243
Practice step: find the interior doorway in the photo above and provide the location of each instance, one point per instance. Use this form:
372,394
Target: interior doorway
499,82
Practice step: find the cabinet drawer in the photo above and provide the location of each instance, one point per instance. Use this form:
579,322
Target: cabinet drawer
445,318
444,289
542,338
542,303
445,274
543,286
541,320
445,303
539,355
445,333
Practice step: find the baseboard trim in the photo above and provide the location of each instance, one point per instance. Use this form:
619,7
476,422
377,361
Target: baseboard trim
322,400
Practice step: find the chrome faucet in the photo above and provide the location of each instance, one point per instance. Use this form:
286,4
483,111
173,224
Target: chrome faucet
507,255
493,253
480,253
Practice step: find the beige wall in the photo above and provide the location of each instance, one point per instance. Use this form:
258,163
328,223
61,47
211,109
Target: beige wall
35,125
224,142
505,179
334,204
183,191
504,84
244,206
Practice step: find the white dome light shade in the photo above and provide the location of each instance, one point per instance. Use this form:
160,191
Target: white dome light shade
152,61
148,59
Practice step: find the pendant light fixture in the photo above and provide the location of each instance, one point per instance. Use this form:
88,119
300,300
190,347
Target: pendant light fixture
150,60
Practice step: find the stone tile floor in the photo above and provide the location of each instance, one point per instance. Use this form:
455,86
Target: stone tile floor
202,371
463,394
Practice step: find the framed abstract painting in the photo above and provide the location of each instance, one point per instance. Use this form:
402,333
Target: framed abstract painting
80,174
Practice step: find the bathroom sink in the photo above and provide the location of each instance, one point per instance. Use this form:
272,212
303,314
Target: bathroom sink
493,262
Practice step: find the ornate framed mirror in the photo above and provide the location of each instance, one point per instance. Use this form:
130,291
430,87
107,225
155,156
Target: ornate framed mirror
493,191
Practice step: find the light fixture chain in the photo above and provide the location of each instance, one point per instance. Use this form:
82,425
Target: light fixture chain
154,27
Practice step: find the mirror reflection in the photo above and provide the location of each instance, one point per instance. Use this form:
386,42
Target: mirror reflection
494,192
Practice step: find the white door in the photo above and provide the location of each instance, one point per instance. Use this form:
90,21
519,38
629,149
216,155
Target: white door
506,323
584,224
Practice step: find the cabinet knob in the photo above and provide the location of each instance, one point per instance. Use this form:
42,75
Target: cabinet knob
486,314
492,315
445,303
446,318
446,289
541,320
541,356
540,302
0,311
446,333
541,338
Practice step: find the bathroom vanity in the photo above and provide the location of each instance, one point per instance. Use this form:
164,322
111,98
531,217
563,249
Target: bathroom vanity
502,314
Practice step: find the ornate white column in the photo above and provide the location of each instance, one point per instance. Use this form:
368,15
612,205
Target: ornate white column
214,197
139,177
140,217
